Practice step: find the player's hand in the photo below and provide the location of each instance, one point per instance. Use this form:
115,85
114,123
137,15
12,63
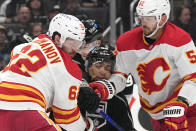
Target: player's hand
88,100
175,116
103,88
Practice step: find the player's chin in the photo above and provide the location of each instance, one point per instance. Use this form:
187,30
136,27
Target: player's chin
146,30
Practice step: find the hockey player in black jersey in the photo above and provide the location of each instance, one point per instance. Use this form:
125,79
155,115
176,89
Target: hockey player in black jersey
100,64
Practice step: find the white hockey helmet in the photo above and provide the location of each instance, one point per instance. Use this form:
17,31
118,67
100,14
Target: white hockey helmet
153,8
67,26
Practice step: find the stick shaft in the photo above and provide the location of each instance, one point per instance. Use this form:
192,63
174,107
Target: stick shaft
109,119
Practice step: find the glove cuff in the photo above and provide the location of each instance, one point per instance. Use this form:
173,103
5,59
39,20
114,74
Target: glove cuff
183,99
109,87
175,109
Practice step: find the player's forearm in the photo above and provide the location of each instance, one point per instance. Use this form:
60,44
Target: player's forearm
119,82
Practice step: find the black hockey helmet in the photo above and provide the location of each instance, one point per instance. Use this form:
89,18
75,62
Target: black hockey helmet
100,54
92,28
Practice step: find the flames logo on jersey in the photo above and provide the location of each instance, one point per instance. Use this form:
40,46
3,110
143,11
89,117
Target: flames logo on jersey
148,71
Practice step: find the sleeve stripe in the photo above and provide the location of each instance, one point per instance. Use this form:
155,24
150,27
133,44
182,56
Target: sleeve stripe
67,121
157,108
63,111
66,116
22,87
21,99
18,92
21,93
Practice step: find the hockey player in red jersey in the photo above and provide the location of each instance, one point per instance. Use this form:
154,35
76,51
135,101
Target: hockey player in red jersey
41,77
162,59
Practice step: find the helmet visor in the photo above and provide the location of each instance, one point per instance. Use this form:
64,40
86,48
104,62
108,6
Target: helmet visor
75,44
84,50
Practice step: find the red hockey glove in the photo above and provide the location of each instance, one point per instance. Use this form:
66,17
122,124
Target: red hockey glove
103,88
175,116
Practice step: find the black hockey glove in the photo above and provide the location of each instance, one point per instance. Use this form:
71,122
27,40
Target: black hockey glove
88,100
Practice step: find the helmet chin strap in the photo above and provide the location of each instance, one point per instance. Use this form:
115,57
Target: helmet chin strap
154,32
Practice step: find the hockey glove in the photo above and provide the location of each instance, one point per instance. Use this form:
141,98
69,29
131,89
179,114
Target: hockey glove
88,100
104,89
175,116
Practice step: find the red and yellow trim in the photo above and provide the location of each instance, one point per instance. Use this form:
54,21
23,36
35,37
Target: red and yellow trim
156,108
159,106
49,121
15,92
172,124
63,116
145,42
175,127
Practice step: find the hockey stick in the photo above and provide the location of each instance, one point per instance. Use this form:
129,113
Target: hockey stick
109,119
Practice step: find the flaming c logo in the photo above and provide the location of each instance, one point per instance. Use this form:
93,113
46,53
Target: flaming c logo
147,72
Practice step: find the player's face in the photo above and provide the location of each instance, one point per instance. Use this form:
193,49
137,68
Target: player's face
71,46
87,48
148,23
100,70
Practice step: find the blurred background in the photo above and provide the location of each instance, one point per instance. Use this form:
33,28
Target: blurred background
22,18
